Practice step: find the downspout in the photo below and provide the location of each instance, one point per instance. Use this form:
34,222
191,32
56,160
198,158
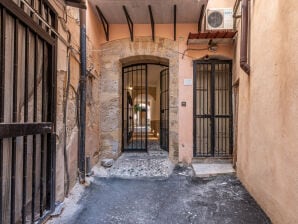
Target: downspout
202,13
244,31
82,119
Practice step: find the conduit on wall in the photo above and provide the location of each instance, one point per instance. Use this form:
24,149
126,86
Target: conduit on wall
244,32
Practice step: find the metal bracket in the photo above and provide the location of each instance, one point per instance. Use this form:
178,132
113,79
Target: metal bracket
104,22
152,22
175,21
201,18
129,22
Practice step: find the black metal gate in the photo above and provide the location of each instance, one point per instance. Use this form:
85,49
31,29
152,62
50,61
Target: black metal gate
134,108
164,109
27,110
213,119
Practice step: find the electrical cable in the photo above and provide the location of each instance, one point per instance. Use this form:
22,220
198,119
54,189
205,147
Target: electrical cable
193,49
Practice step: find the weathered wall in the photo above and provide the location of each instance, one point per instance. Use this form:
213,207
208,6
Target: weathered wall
67,20
92,119
268,110
120,33
119,47
111,87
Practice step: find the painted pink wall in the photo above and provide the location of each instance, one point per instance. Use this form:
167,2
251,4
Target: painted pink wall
267,161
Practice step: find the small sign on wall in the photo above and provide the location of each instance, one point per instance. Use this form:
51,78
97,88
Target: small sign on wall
187,82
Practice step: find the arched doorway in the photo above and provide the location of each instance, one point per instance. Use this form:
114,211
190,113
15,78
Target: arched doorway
145,107
118,54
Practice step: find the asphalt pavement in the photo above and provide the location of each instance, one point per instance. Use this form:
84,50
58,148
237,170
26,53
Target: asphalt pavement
177,199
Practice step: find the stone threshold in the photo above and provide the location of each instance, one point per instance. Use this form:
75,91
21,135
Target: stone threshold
212,169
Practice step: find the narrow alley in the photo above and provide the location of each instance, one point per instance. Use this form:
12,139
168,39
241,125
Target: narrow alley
148,112
179,199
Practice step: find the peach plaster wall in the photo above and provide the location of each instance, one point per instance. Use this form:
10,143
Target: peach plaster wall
268,110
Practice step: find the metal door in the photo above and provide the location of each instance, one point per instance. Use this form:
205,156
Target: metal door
134,108
27,111
213,120
164,109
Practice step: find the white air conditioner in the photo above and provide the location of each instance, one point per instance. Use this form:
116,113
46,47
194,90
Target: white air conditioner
219,19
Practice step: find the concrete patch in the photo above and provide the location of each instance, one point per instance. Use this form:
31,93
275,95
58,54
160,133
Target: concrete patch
206,170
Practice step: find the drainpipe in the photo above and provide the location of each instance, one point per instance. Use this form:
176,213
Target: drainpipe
202,13
82,131
244,31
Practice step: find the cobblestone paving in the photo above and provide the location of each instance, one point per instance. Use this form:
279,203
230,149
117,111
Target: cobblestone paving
154,163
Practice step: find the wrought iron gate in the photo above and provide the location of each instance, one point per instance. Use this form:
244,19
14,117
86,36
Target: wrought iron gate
164,109
27,111
134,108
213,121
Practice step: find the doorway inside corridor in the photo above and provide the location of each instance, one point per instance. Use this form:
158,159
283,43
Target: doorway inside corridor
213,117
145,107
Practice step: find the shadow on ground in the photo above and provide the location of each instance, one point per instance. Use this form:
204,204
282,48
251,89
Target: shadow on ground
178,199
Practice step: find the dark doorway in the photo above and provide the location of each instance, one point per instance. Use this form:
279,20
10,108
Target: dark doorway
144,107
164,109
135,129
213,120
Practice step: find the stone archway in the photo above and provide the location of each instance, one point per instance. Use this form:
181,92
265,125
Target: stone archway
121,52
144,59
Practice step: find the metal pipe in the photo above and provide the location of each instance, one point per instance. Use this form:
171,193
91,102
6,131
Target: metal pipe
243,45
43,136
34,136
201,18
65,127
25,145
235,10
89,172
76,3
14,119
82,132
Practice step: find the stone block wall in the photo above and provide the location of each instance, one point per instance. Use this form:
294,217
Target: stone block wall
111,88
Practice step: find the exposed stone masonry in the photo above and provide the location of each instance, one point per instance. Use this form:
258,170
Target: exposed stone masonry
111,87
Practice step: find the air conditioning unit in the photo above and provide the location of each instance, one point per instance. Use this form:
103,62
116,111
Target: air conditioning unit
219,19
